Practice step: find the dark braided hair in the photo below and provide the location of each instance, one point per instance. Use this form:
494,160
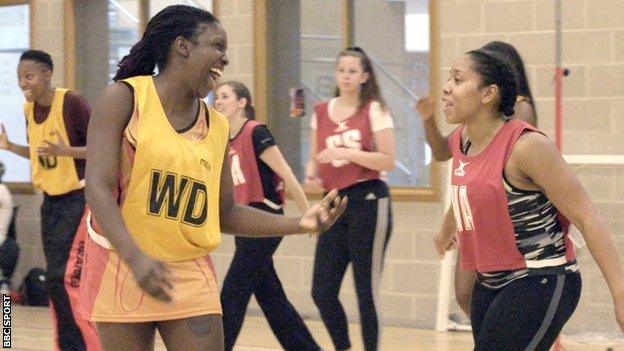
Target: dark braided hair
496,69
153,48
38,56
241,91
369,90
516,60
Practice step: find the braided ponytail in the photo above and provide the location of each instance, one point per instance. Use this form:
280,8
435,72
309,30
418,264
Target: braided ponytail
161,31
508,51
495,69
140,61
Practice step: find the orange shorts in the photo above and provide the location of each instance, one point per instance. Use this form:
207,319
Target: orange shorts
109,292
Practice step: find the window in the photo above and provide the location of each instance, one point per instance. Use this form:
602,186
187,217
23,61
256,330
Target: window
320,42
108,29
395,34
15,23
397,42
123,31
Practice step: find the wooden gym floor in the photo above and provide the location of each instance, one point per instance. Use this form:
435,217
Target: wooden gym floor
32,331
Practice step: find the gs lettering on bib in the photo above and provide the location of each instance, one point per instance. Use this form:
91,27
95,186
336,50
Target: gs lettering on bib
351,139
354,133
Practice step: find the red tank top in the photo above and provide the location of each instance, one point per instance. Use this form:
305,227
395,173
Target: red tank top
354,133
244,167
487,239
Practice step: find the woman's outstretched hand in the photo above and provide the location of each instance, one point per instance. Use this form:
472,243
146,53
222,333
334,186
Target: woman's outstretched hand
323,215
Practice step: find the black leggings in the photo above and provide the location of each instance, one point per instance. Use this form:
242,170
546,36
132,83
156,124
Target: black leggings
252,272
525,315
60,217
359,237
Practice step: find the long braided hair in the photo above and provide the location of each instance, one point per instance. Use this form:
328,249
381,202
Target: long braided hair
153,49
496,69
516,61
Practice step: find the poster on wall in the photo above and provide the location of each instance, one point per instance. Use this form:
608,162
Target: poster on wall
14,20
297,102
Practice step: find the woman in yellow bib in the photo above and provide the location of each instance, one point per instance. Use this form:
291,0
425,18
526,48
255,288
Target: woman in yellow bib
56,126
161,192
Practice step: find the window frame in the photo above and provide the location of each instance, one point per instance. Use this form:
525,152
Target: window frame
429,193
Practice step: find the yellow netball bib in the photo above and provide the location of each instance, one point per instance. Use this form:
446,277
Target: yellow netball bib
172,205
52,174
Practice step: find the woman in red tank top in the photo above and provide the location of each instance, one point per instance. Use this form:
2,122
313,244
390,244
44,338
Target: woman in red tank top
352,143
260,173
524,110
496,161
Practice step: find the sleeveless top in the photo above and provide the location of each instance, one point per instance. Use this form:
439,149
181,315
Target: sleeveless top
500,230
52,174
354,132
247,180
170,181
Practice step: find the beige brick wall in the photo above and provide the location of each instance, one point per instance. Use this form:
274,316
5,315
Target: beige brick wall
236,16
593,104
48,32
48,18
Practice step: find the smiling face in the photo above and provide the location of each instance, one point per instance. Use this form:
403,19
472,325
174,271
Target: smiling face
33,78
350,74
228,103
207,58
462,93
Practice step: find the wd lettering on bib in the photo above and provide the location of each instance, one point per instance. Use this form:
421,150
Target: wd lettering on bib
47,162
171,192
171,204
